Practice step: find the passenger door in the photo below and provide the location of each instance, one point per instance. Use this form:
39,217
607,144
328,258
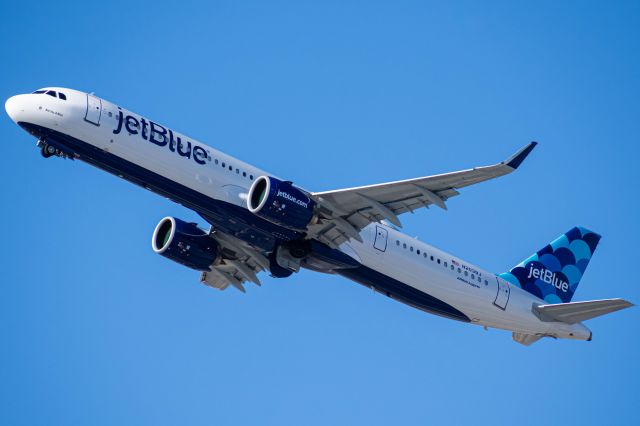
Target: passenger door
94,109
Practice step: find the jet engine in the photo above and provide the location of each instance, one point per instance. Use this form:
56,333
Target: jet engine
184,243
281,203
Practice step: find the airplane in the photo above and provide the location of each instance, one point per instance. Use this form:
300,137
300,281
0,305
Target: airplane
259,222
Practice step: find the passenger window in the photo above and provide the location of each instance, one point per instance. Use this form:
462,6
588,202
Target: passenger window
51,93
452,267
231,168
473,277
404,245
223,165
459,270
251,177
397,242
216,161
424,255
445,264
411,249
466,273
486,282
244,174
418,252
237,171
438,261
62,96
479,279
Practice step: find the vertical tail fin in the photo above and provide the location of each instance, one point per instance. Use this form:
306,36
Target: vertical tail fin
553,273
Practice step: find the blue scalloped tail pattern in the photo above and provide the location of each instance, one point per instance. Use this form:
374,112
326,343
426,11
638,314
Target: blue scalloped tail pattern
553,273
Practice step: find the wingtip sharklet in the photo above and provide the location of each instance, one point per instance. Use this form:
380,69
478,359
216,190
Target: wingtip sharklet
517,158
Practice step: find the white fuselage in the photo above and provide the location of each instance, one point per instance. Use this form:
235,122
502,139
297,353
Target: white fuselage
482,296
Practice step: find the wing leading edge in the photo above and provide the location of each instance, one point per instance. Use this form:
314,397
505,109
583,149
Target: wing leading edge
347,211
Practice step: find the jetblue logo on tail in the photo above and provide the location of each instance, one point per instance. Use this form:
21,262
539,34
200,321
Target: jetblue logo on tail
553,272
548,277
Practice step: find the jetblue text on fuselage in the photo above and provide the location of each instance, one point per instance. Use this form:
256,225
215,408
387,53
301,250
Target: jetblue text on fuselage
548,277
157,134
290,197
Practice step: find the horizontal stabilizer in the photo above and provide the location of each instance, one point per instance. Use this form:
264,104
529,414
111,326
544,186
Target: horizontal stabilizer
574,312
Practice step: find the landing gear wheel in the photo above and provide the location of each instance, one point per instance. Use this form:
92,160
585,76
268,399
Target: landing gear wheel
48,151
299,248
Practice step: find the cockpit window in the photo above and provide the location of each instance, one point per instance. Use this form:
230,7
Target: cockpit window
51,93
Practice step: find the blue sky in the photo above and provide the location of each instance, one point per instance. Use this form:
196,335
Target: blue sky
97,329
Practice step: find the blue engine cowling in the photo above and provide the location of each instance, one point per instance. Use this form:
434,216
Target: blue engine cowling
280,203
184,243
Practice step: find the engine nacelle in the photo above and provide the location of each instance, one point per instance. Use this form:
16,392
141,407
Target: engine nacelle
184,243
280,203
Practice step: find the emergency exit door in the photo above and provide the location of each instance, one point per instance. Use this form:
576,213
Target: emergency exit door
380,243
502,296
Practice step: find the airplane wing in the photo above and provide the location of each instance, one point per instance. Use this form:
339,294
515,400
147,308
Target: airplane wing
346,211
239,264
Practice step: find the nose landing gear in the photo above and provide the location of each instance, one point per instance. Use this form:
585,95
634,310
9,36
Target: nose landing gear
47,150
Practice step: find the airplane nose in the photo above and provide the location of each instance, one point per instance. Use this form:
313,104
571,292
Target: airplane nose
14,108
